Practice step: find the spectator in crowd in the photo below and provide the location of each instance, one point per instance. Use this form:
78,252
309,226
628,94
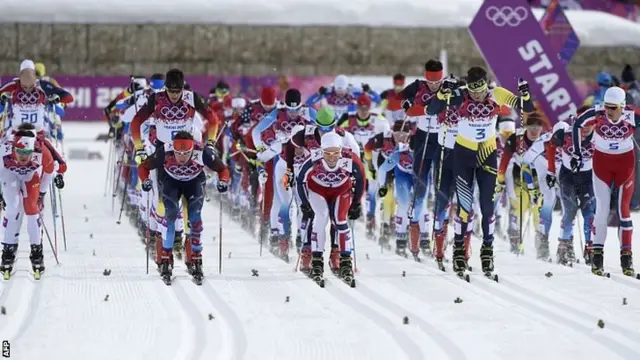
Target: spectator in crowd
605,81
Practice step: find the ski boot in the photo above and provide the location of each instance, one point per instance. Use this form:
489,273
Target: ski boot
486,258
571,254
439,236
284,249
37,261
334,259
514,241
317,268
467,249
346,270
425,245
414,236
165,266
371,226
587,253
274,241
196,267
177,245
298,242
385,235
562,254
597,262
401,244
542,246
305,260
459,264
8,259
626,262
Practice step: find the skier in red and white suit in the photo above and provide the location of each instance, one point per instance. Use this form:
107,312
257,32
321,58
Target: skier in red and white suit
331,189
613,166
26,173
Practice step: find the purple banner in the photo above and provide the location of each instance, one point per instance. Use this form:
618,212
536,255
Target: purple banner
513,44
560,33
93,93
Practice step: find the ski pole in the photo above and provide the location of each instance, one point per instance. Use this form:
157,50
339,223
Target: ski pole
220,240
44,227
106,180
521,154
117,177
54,214
64,231
262,219
353,246
124,197
148,232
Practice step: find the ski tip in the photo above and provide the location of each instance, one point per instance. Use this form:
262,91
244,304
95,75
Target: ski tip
6,274
353,283
467,278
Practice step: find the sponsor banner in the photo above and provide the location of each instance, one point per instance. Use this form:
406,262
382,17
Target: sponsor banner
93,93
515,46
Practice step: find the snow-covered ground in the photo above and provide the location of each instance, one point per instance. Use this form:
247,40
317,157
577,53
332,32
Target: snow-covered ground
526,316
593,28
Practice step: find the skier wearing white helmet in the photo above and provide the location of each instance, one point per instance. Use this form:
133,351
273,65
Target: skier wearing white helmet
613,167
342,96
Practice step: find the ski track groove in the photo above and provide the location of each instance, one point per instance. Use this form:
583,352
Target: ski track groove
566,308
450,348
34,300
633,283
190,308
408,346
238,336
615,346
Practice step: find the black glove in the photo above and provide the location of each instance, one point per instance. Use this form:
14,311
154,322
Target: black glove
373,171
58,181
4,98
366,88
523,87
382,191
322,90
576,163
306,210
406,105
355,211
222,187
449,84
551,180
53,99
3,204
146,185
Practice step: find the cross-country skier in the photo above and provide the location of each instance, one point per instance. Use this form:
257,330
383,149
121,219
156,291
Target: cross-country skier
268,136
391,104
304,144
331,188
474,153
523,199
363,124
576,188
613,167
24,173
416,97
183,160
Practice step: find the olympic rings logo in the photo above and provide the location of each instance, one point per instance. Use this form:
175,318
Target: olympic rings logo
184,170
614,131
451,117
331,177
506,15
287,126
426,96
585,151
28,98
480,110
174,112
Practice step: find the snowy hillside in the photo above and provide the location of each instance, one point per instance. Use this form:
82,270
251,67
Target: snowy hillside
593,28
77,313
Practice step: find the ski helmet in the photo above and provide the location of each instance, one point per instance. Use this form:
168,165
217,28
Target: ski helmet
174,80
157,81
325,119
293,99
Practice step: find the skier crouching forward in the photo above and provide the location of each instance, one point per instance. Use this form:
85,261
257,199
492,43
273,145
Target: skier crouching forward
331,189
24,165
183,161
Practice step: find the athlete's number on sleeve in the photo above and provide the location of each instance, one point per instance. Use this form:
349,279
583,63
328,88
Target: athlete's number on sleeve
31,118
480,134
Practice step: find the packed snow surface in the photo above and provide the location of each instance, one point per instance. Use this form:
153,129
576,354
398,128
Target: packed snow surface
593,28
75,312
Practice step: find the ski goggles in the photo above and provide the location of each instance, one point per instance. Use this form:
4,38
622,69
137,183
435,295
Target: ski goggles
477,86
174,91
